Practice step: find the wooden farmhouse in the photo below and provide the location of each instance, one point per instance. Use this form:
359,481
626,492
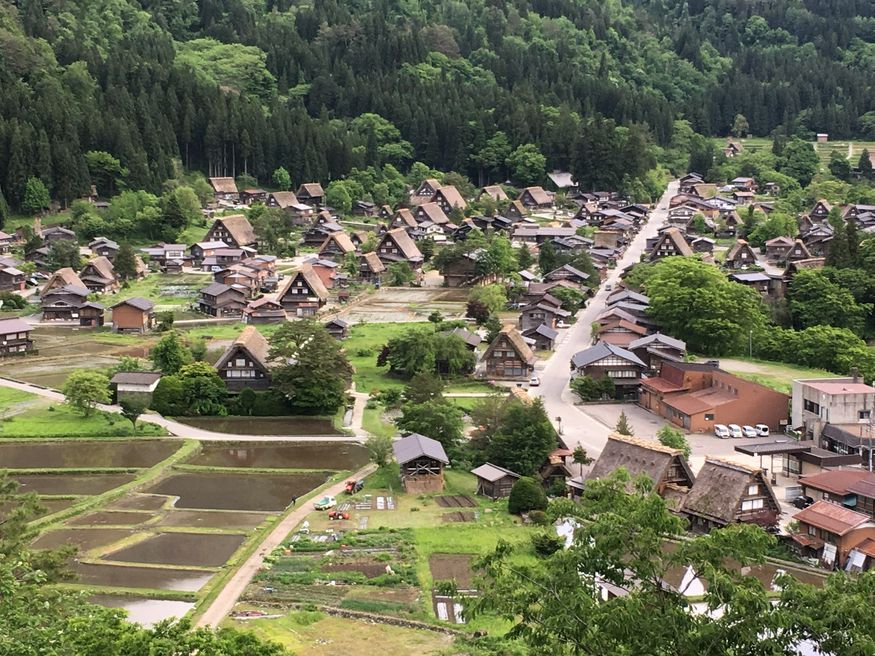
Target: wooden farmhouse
493,481
422,461
244,363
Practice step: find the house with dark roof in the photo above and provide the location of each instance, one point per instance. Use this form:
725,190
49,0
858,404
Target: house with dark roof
838,486
516,211
605,360
220,300
15,337
12,279
304,293
235,231
338,328
262,311
740,256
472,340
667,468
253,195
225,189
726,493
244,364
422,461
105,247
757,280
568,272
835,535
541,314
542,337
657,348
133,315
670,243
448,197
371,268
311,193
493,481
70,303
535,197
777,248
508,356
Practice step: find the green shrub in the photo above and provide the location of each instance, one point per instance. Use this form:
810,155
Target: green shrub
546,544
526,494
538,518
306,617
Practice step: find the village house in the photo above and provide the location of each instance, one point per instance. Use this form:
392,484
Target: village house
657,348
371,268
756,280
311,193
170,257
235,231
220,300
508,356
460,271
495,192
568,272
338,328
669,244
740,256
133,315
686,182
244,364
730,493
619,331
731,149
515,211
322,226
98,275
535,197
820,211
424,192
281,199
605,360
6,241
15,337
449,198
104,247
207,249
540,313
493,481
542,337
134,386
263,311
778,248
304,293
240,277
252,196
837,485
70,303
422,461
55,234
667,468
364,208
404,218
12,279
225,189
61,278
397,246
427,212
833,411
818,239
336,246
697,396
835,535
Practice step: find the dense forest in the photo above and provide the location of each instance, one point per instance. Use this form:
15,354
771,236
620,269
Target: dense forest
234,86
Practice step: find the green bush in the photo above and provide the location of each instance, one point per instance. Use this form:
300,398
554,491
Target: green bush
527,494
546,544
538,518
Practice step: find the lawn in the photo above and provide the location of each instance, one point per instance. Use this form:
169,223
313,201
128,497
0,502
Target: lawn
373,422
156,288
10,397
776,375
60,420
363,347
309,633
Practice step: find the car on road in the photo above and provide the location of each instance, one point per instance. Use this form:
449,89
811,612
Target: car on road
762,430
802,501
735,430
721,431
534,381
325,503
563,324
608,287
749,431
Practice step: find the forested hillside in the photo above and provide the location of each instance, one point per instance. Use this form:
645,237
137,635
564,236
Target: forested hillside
232,86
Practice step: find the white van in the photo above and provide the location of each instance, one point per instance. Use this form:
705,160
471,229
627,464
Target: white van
735,430
721,431
762,430
749,431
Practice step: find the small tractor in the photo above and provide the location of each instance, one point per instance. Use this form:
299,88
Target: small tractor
353,486
338,514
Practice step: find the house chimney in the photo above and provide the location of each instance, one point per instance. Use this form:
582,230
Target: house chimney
855,374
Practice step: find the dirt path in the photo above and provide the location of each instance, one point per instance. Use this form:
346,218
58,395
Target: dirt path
230,594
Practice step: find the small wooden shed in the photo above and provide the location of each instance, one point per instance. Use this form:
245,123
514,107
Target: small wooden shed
493,481
422,461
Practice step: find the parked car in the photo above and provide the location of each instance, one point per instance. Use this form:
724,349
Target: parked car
563,324
749,431
325,503
762,430
608,287
735,430
802,501
721,431
534,381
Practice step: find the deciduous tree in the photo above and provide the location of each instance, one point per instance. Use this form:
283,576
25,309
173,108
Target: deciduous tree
85,388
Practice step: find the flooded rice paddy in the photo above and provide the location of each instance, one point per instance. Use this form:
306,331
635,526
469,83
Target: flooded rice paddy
85,539
253,492
111,518
146,612
124,576
263,425
189,549
67,484
214,519
85,454
299,455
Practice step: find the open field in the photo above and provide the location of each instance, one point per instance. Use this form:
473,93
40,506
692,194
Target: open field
407,304
846,148
776,375
168,292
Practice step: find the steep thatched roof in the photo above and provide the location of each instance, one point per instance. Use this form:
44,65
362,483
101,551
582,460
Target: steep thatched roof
720,487
641,457
250,341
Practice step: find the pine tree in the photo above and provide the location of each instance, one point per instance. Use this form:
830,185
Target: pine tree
839,254
865,164
125,262
623,427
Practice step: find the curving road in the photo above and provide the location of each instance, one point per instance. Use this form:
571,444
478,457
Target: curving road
579,428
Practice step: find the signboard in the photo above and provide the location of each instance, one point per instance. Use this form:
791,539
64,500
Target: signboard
829,554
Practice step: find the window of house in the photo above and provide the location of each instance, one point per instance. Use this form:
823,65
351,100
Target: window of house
864,414
752,504
709,416
753,490
240,362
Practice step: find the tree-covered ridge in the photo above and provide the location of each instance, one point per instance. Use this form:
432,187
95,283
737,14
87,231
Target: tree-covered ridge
231,86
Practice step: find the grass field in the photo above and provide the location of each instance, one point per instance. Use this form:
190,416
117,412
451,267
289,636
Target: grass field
363,346
156,288
44,420
848,149
776,375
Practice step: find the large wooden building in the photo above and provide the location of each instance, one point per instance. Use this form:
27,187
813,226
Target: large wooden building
244,364
422,461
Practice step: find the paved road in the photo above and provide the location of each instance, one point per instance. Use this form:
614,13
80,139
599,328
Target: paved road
579,428
230,594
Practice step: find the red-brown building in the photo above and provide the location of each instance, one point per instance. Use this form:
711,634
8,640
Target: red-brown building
133,315
697,396
834,534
